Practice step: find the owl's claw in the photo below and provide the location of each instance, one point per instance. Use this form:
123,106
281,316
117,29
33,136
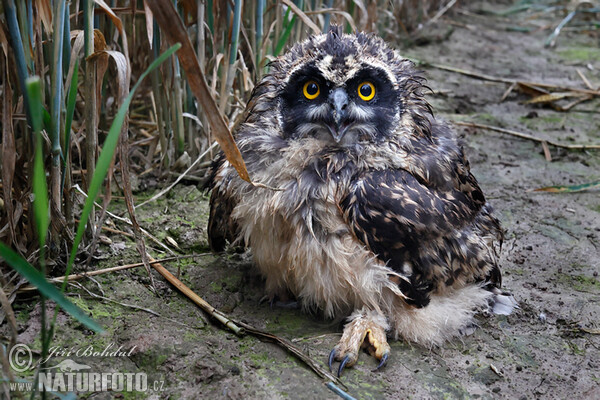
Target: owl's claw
331,359
383,361
364,331
343,365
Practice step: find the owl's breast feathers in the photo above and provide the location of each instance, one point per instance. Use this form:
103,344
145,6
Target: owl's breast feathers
416,208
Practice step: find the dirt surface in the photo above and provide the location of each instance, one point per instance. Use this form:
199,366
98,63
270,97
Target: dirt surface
550,257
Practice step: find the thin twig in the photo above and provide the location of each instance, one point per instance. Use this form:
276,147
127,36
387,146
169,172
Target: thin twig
584,79
295,350
491,78
332,386
442,11
112,230
97,296
527,136
508,91
300,339
551,40
213,312
74,277
240,328
168,188
575,102
128,222
316,30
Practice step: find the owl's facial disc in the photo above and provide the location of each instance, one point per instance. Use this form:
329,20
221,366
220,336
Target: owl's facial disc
363,107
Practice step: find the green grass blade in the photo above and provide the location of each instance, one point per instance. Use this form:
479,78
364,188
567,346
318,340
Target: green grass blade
71,97
260,17
571,188
40,188
10,13
57,77
235,36
47,118
283,39
328,4
36,278
106,155
210,16
66,42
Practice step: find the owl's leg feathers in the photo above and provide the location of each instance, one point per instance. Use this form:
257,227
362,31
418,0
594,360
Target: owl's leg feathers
367,330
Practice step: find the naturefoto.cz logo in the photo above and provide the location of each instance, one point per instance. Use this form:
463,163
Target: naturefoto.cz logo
71,376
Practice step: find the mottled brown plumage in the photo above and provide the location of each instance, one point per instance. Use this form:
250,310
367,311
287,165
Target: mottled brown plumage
377,216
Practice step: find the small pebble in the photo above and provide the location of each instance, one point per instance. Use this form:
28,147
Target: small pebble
542,317
496,389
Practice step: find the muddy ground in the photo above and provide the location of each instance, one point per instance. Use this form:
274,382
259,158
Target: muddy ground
550,258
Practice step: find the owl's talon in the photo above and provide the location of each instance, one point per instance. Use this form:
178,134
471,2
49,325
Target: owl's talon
343,365
331,359
383,361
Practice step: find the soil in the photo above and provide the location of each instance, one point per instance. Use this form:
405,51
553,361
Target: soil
548,349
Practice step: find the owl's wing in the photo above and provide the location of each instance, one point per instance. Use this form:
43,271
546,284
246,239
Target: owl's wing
434,236
221,227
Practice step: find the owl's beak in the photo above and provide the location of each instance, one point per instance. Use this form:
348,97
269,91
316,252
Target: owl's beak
338,99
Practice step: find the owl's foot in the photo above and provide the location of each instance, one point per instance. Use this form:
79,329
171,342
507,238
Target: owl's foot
281,301
367,331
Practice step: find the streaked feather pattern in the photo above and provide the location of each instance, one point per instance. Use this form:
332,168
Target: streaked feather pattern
386,221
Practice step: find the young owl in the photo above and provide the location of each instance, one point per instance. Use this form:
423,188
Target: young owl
371,211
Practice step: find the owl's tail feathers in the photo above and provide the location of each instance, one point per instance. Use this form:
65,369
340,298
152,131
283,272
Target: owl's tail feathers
501,302
450,314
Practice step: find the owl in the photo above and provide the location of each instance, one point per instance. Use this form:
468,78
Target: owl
367,209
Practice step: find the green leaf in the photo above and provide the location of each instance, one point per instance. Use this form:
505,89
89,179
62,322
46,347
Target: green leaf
40,187
285,35
235,34
71,97
570,189
36,278
47,118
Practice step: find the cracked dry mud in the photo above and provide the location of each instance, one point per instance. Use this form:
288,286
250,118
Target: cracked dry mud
550,258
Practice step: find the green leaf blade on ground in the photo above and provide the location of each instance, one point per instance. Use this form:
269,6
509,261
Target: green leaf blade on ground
37,279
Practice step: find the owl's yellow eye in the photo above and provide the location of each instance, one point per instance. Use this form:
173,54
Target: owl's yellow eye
366,91
311,90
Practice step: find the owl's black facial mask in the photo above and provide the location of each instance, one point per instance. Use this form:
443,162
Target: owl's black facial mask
364,108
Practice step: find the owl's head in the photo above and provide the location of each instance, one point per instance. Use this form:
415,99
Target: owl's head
345,89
